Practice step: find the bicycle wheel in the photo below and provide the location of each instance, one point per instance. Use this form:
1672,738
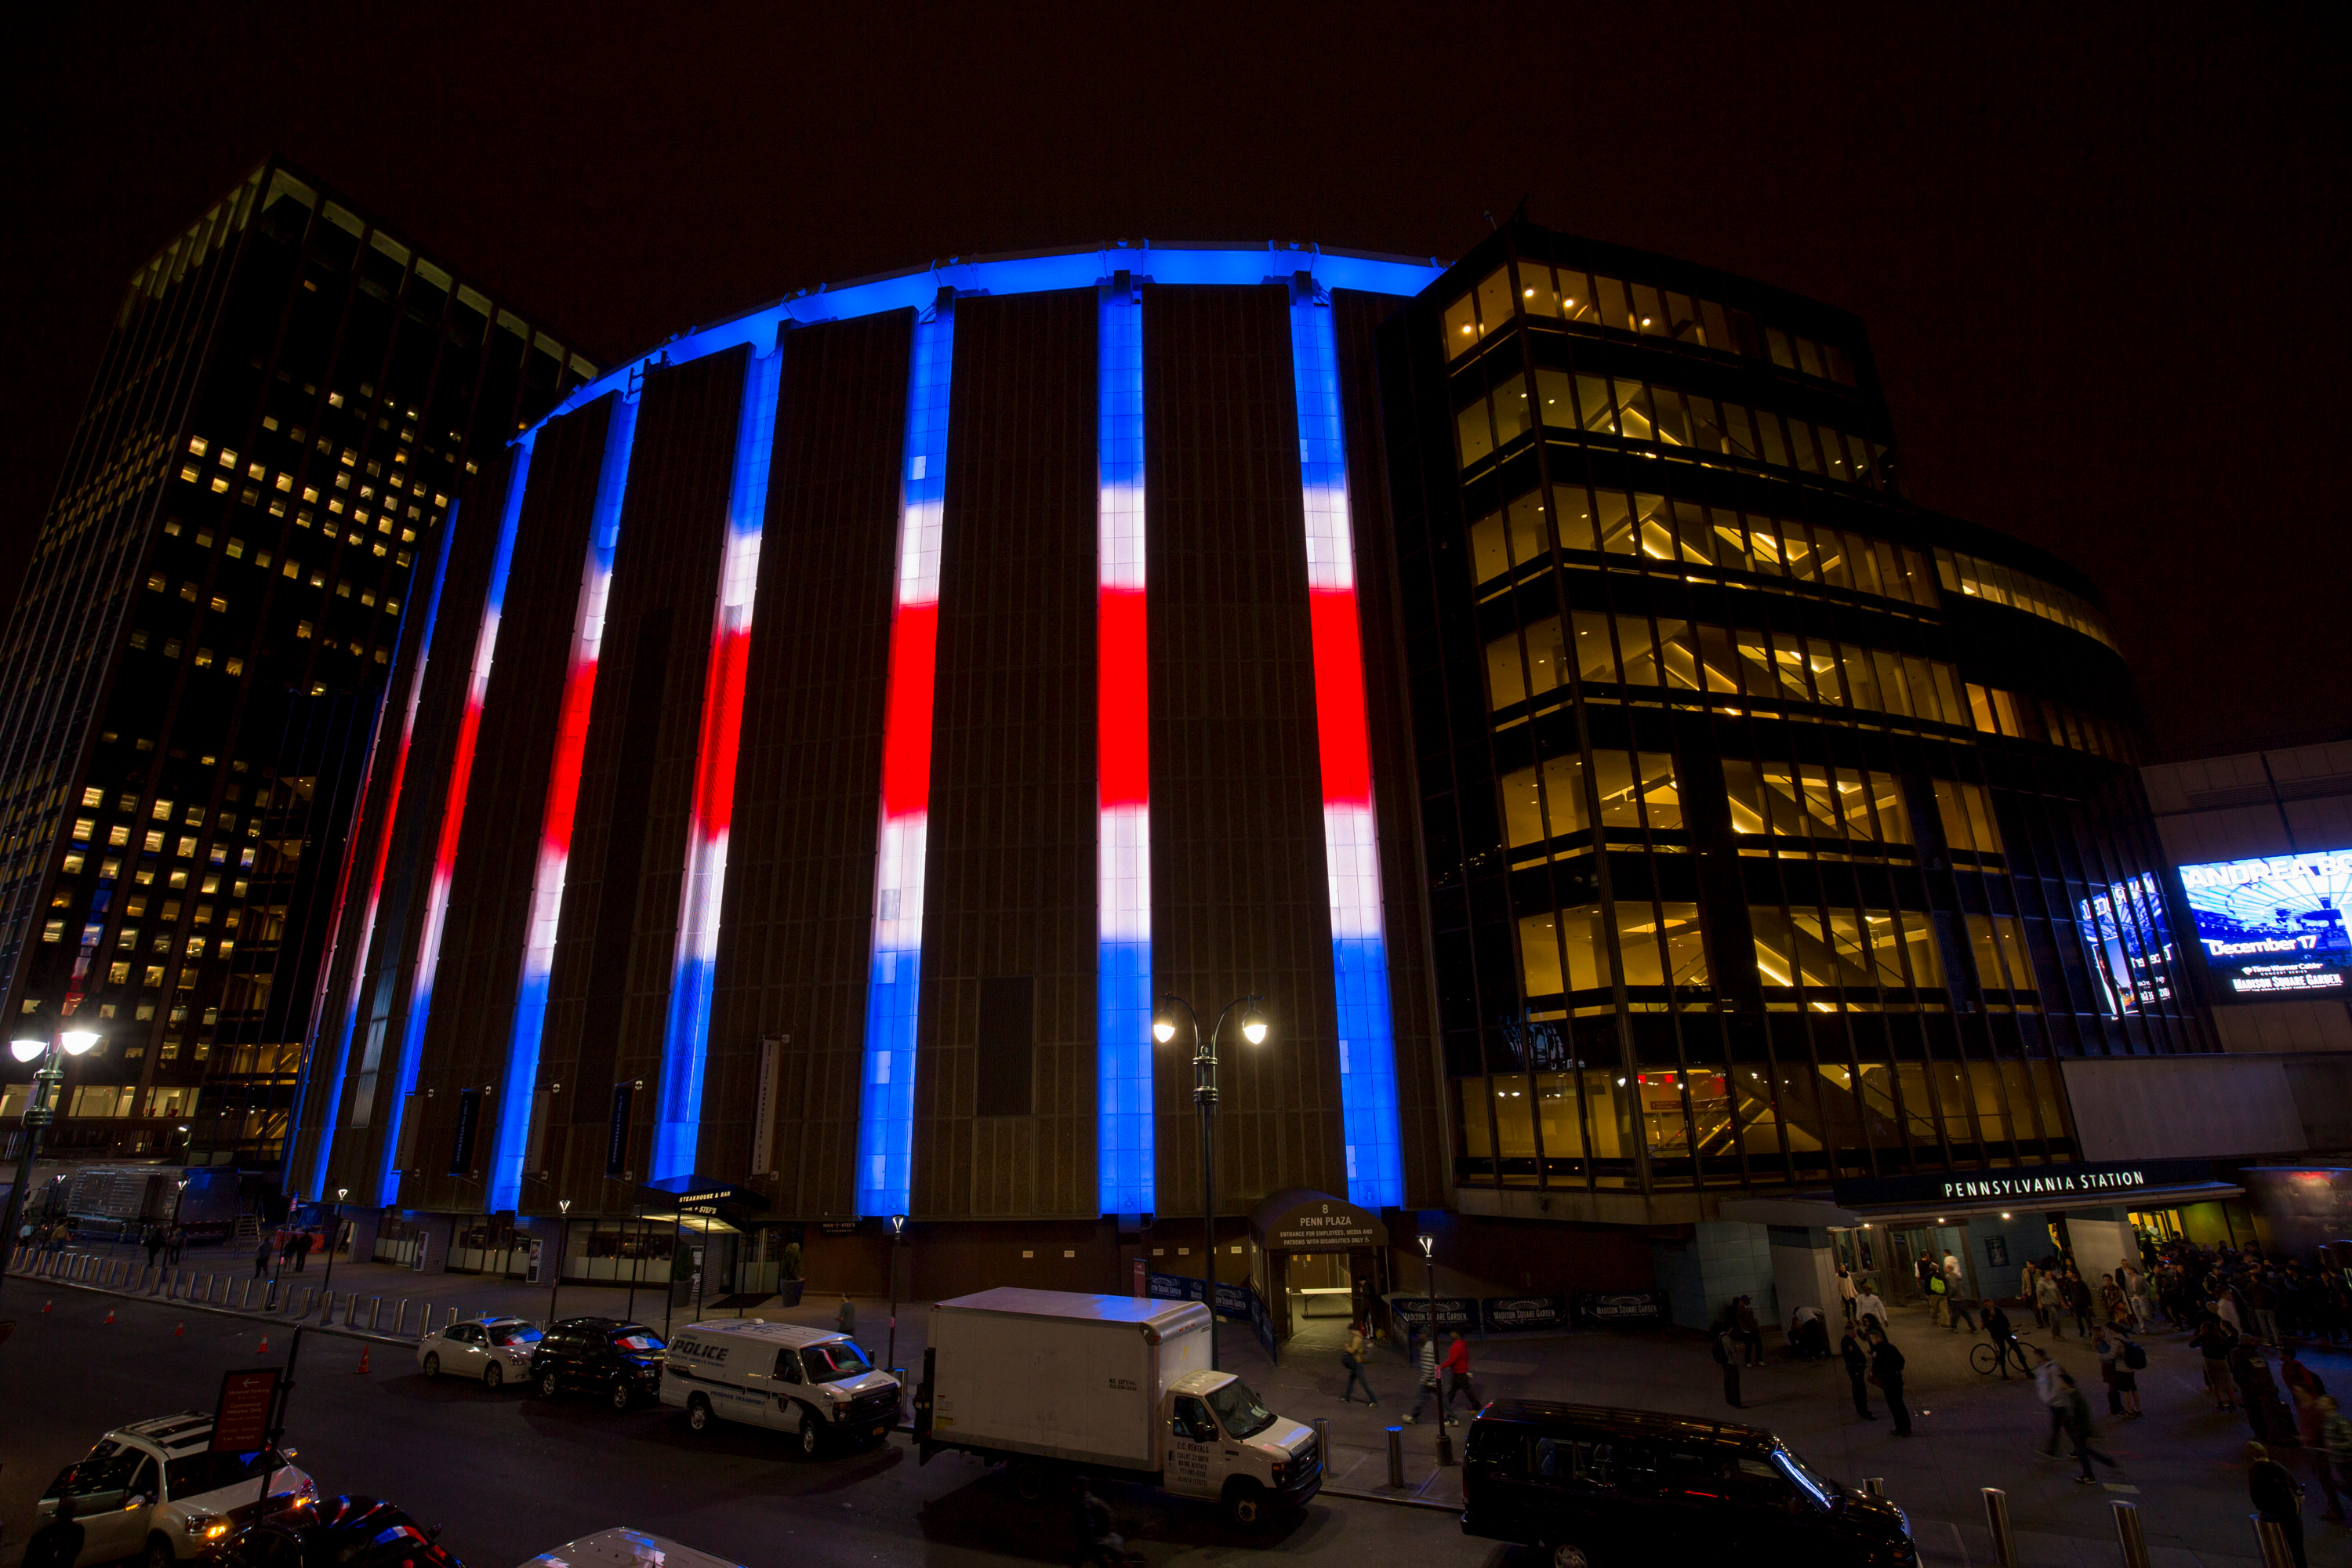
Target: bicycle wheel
1984,1359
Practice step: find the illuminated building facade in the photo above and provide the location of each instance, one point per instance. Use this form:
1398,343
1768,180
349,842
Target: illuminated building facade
1527,674
239,567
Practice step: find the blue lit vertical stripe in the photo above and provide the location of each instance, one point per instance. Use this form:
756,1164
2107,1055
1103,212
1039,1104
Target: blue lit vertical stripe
1368,1089
511,1113
1125,1168
886,1112
330,1111
453,823
678,1123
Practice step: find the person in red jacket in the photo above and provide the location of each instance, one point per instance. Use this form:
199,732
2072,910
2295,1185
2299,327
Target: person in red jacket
1456,1368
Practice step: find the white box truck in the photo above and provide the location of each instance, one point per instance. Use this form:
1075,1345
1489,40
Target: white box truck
1052,1381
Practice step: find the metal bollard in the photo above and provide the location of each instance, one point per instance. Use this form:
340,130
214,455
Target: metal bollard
2004,1540
375,1313
450,1319
1396,1457
327,1307
2128,1536
352,1312
400,1320
2271,1540
1323,1442
425,1324
306,1304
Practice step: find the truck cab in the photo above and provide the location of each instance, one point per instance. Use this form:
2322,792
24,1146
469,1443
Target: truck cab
1222,1442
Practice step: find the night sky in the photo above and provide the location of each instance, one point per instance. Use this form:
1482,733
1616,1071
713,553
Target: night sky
2101,252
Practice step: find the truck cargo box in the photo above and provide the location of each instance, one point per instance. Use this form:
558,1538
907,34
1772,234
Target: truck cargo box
1071,1377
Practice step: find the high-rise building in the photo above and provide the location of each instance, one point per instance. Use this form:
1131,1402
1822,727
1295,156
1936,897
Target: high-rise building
289,403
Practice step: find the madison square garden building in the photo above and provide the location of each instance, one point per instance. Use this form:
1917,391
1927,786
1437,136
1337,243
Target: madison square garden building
830,734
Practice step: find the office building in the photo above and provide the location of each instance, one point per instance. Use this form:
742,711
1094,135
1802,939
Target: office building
220,598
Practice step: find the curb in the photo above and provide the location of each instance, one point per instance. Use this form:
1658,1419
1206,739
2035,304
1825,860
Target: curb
337,1329
1392,1500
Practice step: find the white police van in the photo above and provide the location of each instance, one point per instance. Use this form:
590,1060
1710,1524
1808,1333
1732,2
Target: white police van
813,1382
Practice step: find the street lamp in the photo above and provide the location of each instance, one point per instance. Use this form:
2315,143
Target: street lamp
563,1241
334,1229
1429,1319
38,1112
898,1229
1205,1097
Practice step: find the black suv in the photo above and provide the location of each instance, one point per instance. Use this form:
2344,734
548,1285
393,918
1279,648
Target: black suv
1599,1486
354,1531
623,1359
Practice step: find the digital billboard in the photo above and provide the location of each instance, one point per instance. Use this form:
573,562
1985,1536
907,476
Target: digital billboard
2274,927
2131,947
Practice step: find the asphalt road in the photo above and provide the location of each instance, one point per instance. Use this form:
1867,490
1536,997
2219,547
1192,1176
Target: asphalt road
507,1475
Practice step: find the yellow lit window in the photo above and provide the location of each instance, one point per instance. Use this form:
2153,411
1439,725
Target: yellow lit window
198,445
93,796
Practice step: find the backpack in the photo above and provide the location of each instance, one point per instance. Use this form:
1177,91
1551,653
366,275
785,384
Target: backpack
2134,1357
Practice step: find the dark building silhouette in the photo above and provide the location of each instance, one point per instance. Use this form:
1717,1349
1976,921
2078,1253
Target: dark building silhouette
217,608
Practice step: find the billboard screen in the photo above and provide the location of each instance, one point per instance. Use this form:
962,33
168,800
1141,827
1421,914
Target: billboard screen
2131,948
2273,927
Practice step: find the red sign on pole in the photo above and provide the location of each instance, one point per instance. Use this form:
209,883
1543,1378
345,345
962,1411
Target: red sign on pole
241,1419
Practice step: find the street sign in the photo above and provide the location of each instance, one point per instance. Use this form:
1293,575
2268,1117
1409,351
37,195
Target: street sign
241,1419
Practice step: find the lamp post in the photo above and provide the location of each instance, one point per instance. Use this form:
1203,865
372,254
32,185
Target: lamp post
562,1242
334,1230
1205,1097
898,1229
38,1113
1429,1319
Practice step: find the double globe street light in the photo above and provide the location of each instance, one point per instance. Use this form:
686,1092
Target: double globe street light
1205,1097
40,1112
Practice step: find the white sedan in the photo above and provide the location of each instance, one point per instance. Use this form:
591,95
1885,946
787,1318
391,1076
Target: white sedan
491,1350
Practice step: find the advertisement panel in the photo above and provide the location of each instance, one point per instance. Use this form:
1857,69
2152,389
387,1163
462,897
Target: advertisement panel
2131,947
2273,927
1619,1308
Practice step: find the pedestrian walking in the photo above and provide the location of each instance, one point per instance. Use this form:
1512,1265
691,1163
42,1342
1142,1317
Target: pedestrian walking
2082,1433
1098,1542
2107,1349
2277,1498
1940,1298
2078,1297
2004,1341
2214,1339
2131,1360
57,1543
2258,1394
1887,1371
154,1244
845,1318
1351,1356
1846,1293
1724,1347
1751,1332
175,1248
2307,1393
1869,1311
1456,1368
2048,1302
1426,1357
2029,1280
261,1259
2050,1387
2335,1445
303,1240
1857,1374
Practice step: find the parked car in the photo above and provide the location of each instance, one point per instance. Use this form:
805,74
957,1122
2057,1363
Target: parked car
1597,1487
348,1531
491,1350
622,1547
813,1382
155,1491
625,1359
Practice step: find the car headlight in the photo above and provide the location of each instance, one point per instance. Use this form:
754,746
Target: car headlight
201,1523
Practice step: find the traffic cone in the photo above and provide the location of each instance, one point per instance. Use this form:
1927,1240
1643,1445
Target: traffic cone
361,1369
48,1305
109,1317
180,1332
262,1349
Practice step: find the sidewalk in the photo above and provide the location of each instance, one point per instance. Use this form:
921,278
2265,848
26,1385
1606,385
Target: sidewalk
2182,1466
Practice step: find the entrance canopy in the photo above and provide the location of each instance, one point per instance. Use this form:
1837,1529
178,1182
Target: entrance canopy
1299,1219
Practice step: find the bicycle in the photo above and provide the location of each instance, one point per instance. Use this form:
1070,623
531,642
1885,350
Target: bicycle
1986,1359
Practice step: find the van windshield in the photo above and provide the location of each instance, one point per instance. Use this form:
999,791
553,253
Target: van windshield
1823,1492
1240,1411
834,1361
